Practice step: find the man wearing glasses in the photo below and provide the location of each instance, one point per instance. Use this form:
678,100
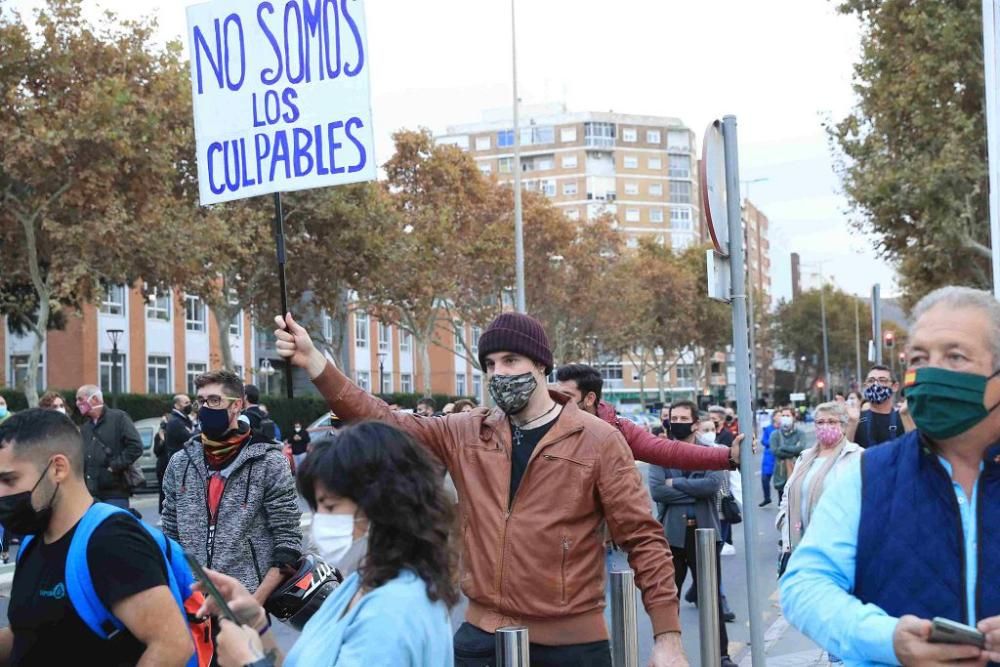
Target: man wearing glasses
229,496
882,421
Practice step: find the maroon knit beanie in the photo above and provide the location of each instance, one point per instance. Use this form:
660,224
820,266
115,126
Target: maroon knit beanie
516,332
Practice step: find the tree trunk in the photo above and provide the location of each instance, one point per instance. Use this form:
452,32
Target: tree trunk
424,349
41,324
223,316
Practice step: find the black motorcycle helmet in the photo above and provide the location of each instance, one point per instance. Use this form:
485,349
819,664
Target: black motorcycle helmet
301,595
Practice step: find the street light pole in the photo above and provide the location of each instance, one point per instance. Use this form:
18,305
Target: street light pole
857,341
518,222
114,335
826,347
381,372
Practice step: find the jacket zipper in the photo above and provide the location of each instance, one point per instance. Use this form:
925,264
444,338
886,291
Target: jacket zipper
565,555
256,564
961,533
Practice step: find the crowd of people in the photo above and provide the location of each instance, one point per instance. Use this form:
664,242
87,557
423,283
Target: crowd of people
883,520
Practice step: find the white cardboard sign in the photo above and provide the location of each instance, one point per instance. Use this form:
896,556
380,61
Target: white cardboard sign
281,96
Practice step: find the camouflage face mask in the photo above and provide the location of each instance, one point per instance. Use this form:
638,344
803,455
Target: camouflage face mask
512,392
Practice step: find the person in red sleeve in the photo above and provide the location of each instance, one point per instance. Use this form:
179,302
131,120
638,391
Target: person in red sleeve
584,383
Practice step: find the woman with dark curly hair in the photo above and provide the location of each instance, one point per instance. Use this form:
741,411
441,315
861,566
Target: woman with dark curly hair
375,480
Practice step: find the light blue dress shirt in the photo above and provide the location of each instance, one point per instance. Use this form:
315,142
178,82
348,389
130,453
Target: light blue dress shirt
816,591
394,624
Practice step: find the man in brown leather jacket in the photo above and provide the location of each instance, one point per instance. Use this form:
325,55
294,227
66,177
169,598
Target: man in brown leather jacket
536,478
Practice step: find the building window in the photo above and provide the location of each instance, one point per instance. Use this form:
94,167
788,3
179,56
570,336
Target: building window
680,166
656,189
158,306
678,140
685,374
485,168
548,188
569,162
653,137
631,188
327,327
505,138
630,162
538,134
655,163
632,215
680,192
505,165
105,368
539,164
364,380
483,143
477,387
193,371
405,340
567,135
236,325
194,313
680,219
569,189
599,135
406,383
18,372
384,337
573,214
629,135
611,371
158,375
460,384
656,215
681,240
113,302
601,188
360,328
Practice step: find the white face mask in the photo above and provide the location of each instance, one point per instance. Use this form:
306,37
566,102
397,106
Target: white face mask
786,421
333,534
705,438
61,409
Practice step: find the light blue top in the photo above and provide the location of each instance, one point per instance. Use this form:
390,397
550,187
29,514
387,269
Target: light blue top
395,624
816,589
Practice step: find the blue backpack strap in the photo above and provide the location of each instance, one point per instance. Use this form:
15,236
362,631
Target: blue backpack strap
79,584
25,541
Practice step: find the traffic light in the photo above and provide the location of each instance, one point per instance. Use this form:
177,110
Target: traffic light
820,384
890,339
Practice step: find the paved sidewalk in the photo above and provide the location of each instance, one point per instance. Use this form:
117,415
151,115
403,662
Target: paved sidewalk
784,646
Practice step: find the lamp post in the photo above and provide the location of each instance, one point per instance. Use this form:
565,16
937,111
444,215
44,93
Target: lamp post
381,372
114,335
518,222
266,371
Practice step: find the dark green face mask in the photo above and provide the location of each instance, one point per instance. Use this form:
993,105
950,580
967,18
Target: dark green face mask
946,403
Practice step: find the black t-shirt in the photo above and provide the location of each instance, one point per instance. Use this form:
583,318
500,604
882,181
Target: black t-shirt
724,437
523,443
875,428
124,560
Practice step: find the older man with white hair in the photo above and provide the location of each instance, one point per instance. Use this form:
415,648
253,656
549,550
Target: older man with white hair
908,531
111,444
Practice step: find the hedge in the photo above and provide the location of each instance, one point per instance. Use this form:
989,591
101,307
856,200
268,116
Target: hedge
283,411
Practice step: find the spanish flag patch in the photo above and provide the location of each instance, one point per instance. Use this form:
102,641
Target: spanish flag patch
910,378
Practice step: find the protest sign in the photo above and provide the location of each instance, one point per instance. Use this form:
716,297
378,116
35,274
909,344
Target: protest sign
281,96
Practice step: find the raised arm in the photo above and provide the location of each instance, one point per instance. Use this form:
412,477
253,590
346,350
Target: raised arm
350,402
676,454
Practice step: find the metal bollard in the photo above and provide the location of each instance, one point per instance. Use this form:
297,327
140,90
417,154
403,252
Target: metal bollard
512,647
708,597
624,634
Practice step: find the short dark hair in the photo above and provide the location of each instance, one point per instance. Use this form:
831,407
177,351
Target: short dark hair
690,405
587,378
881,367
252,393
462,403
39,434
399,487
428,402
229,380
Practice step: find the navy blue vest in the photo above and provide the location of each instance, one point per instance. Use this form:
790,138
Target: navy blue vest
911,551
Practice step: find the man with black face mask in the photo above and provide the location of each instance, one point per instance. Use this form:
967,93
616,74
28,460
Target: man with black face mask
229,495
176,433
43,495
908,531
536,478
882,421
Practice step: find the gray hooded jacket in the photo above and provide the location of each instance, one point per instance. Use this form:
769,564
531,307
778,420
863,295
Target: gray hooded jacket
258,517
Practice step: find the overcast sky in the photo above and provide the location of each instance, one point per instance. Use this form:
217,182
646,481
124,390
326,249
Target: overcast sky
782,66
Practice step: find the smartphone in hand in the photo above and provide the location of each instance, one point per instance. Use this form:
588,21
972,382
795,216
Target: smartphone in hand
210,589
945,631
